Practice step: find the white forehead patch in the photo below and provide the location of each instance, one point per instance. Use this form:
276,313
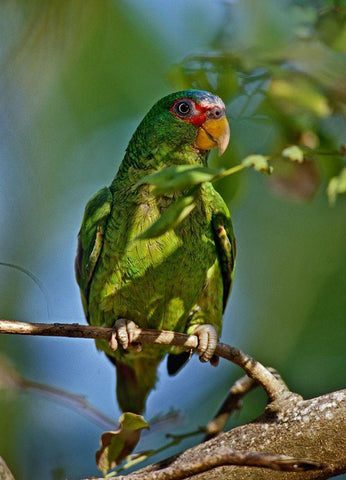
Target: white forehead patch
212,101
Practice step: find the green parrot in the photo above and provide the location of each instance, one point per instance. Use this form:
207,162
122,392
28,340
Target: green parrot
178,281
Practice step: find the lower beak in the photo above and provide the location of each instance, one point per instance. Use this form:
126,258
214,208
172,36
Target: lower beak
213,133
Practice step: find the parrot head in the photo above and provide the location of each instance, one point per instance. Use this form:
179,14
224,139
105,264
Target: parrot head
207,113
192,121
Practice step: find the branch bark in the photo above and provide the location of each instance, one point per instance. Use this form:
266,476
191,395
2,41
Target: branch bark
223,456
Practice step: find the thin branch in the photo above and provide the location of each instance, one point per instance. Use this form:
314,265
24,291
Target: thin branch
221,457
255,370
71,400
11,379
233,402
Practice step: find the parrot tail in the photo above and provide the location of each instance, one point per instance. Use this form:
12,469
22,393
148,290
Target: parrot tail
134,383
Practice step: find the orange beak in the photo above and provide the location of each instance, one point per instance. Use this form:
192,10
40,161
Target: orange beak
213,133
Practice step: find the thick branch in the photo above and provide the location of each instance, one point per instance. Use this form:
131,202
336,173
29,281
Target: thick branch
274,389
224,456
312,429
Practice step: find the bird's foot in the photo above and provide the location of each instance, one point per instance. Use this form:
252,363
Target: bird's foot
207,341
123,331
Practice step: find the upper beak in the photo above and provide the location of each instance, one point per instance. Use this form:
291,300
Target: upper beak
213,133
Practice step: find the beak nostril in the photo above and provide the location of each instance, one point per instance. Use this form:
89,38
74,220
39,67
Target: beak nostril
216,112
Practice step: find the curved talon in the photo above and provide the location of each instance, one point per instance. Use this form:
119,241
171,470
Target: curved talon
207,340
123,334
214,361
136,346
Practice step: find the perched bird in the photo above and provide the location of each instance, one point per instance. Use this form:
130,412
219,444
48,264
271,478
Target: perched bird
179,281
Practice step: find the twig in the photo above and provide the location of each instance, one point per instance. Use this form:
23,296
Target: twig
255,370
11,379
233,402
221,457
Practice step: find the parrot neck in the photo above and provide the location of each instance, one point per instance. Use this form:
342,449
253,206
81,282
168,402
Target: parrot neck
148,159
159,142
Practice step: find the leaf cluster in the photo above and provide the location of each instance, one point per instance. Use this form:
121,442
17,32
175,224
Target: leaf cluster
188,179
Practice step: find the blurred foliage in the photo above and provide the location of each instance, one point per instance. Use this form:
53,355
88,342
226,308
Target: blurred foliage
75,79
280,67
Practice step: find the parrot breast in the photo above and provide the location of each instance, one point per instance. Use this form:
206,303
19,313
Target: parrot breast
156,282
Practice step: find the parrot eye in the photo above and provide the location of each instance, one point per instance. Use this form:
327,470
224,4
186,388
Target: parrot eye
183,108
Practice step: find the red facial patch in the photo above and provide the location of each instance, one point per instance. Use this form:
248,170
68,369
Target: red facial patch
198,116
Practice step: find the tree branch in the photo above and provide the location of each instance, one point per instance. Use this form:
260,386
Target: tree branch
255,370
224,456
314,429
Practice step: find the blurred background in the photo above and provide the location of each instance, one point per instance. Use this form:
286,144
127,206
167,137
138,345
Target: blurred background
76,79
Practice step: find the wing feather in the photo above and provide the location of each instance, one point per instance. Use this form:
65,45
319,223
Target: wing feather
90,240
225,245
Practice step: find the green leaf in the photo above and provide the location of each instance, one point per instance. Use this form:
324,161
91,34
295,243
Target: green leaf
336,186
162,176
170,218
258,162
118,444
293,153
178,178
